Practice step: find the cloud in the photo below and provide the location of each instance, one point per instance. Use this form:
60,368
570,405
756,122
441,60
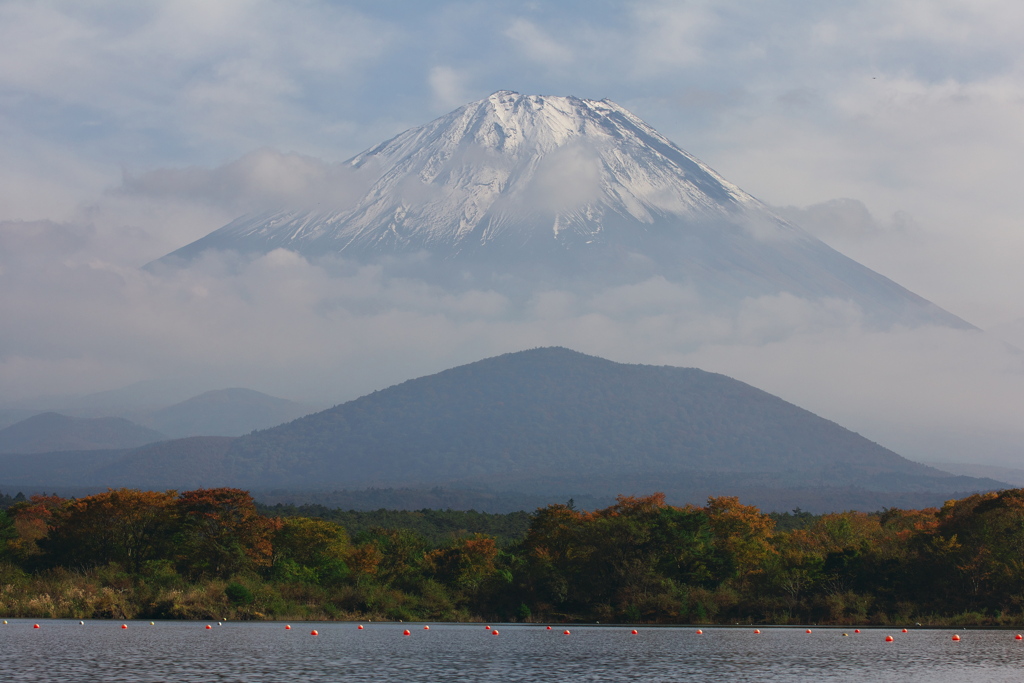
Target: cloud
841,220
912,108
536,45
330,330
448,86
260,180
234,74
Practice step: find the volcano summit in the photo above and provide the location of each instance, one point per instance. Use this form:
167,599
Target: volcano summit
514,190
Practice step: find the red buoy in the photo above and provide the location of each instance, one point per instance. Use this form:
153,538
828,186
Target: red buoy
634,632
35,626
905,631
494,632
699,632
287,627
406,632
208,626
956,637
360,627
124,625
313,633
566,633
856,630
808,630
487,627
549,628
1018,637
757,630
426,628
888,639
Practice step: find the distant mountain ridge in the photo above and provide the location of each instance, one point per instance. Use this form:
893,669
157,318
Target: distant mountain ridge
515,190
55,432
225,412
546,423
221,412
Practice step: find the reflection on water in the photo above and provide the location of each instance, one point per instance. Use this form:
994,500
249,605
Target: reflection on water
256,652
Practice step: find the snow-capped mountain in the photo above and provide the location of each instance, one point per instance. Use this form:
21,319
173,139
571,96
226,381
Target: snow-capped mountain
541,188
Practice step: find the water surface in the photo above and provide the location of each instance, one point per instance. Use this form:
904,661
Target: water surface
256,652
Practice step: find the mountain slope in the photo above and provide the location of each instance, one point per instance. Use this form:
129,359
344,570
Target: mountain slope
225,412
55,432
546,424
515,190
553,414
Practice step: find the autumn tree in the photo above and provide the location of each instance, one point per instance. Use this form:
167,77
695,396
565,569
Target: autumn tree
465,563
33,520
221,533
126,526
742,535
310,550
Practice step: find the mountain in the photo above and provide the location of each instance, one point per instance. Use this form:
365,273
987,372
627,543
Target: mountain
555,415
55,432
10,416
517,190
226,412
546,423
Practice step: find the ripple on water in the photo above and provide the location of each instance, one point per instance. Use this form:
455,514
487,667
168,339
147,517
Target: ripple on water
257,652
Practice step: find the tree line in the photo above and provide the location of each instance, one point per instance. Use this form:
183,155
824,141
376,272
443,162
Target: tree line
210,553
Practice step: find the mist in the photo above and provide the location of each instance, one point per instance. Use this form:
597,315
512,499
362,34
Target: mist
80,316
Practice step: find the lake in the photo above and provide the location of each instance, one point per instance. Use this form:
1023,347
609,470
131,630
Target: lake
255,652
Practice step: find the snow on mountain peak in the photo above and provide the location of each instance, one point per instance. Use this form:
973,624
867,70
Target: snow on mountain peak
512,167
571,186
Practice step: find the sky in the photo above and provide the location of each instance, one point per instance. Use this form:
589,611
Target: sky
892,130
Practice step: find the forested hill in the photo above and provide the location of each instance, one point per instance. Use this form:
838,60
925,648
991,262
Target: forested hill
553,418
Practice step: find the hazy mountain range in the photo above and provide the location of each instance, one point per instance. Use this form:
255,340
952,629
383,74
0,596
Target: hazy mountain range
226,412
547,422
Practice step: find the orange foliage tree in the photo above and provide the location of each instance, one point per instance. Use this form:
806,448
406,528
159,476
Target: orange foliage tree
126,526
221,533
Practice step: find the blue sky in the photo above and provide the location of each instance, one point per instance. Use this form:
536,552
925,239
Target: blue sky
128,129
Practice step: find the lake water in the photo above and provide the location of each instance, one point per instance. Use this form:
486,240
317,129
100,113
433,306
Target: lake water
256,652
